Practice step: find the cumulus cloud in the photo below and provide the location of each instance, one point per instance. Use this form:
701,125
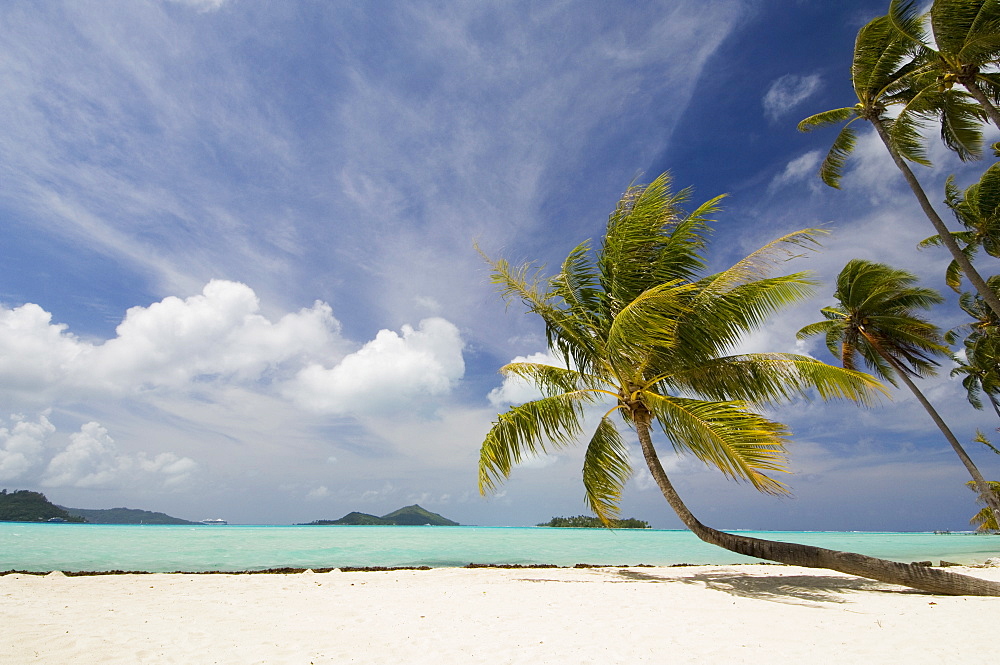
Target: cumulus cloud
31,451
21,446
787,92
220,338
385,373
514,389
93,460
218,333
34,352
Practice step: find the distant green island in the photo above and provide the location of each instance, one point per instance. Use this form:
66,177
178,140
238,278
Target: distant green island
591,522
28,506
124,516
407,516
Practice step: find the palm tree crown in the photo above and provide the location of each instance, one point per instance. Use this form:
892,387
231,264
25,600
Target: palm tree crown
876,321
962,45
637,327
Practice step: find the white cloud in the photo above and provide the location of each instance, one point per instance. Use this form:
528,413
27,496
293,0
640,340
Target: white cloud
216,333
385,373
787,92
201,6
320,492
170,344
21,446
516,390
34,352
92,460
216,341
800,168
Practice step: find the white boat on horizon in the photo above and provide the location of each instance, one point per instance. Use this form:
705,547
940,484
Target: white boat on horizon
215,522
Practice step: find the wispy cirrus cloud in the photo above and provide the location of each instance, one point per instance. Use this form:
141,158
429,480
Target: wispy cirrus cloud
788,92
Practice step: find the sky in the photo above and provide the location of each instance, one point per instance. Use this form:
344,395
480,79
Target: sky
238,246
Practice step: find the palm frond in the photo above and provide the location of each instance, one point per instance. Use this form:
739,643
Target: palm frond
981,438
718,323
879,55
760,263
650,240
818,328
961,122
953,276
907,19
606,469
966,31
831,117
568,332
526,430
987,193
832,166
649,322
985,519
743,445
772,378
577,284
549,379
964,237
989,83
905,137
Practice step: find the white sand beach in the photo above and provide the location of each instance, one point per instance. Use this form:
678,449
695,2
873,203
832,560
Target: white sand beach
699,614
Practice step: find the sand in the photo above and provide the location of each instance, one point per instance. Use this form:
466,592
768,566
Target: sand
700,614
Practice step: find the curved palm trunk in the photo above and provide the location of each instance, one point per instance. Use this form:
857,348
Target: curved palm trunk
987,495
918,577
947,240
980,96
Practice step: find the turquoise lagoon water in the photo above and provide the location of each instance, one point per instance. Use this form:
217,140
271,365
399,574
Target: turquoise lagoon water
94,547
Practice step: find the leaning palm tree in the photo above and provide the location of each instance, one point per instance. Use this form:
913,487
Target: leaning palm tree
879,73
642,334
876,321
962,46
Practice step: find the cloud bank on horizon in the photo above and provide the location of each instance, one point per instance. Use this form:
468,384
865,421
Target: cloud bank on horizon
239,246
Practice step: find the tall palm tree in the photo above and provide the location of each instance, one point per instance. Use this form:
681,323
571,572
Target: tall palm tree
963,44
876,321
879,74
640,333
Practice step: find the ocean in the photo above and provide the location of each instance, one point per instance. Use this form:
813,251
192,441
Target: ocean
95,547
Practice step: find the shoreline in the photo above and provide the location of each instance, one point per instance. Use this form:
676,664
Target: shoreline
451,616
292,570
289,570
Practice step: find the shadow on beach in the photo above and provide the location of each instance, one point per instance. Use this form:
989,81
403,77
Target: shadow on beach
793,589
777,588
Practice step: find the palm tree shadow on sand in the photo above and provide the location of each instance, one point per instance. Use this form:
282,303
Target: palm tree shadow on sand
782,589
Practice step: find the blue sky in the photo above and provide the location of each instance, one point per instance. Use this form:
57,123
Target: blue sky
239,276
